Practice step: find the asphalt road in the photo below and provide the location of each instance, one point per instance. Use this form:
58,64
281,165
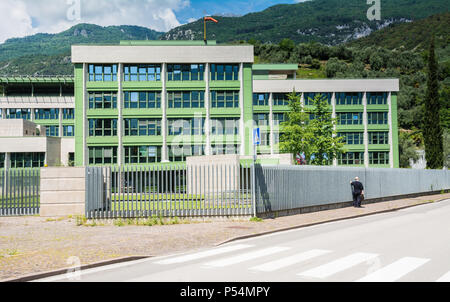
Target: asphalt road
407,245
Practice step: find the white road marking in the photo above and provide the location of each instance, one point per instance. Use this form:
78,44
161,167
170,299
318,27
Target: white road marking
247,256
336,266
204,254
395,271
287,261
445,278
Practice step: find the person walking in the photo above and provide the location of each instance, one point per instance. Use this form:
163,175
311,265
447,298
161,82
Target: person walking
358,192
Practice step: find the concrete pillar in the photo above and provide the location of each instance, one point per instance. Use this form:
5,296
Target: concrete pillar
85,120
271,125
242,106
120,106
164,150
391,134
366,133
7,160
60,122
333,115
208,111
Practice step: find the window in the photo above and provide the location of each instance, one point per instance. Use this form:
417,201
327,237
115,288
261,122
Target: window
142,73
349,98
68,114
102,155
377,98
46,114
180,153
225,149
52,131
260,99
352,138
186,99
102,127
378,118
310,96
261,119
27,160
142,99
351,158
224,72
351,118
68,131
225,99
102,73
2,160
379,158
225,126
102,100
18,114
142,127
279,118
378,138
194,126
280,99
185,72
142,154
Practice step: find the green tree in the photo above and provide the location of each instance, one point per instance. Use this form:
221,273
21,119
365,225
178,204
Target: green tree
407,149
287,45
297,136
432,131
326,144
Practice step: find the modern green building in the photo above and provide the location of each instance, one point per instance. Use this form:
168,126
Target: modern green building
162,101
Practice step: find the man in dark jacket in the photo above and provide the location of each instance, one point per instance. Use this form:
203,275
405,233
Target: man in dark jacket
357,191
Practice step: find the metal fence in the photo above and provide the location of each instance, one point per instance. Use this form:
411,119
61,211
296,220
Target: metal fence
280,188
19,192
169,191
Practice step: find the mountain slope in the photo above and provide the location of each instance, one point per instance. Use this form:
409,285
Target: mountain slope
326,21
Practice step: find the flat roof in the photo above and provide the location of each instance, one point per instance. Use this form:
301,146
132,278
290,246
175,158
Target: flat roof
166,43
275,66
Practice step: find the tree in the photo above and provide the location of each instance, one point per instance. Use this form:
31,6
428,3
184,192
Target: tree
407,149
326,144
432,131
297,135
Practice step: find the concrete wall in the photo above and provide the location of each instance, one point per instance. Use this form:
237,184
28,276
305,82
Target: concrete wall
63,192
17,128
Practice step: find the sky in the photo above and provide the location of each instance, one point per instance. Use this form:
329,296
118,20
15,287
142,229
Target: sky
19,18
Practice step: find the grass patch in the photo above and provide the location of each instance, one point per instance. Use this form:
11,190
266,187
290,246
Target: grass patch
256,219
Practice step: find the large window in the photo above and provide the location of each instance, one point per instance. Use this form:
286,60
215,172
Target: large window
102,127
225,149
46,114
224,72
280,99
102,100
377,98
180,153
142,154
52,131
225,99
102,73
261,119
142,127
142,99
378,138
186,99
69,131
185,72
310,96
261,99
377,118
142,73
350,118
351,158
18,114
68,114
27,160
225,126
379,158
352,138
194,126
102,155
349,98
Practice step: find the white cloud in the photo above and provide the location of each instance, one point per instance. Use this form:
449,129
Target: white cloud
19,18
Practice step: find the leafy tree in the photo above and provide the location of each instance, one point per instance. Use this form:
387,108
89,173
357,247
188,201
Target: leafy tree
432,130
407,149
315,64
334,66
287,45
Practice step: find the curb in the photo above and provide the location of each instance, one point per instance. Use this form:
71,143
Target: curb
322,222
32,277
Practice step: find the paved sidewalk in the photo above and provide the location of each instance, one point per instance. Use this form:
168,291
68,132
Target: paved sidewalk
30,245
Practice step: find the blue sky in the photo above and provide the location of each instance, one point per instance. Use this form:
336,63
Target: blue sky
19,18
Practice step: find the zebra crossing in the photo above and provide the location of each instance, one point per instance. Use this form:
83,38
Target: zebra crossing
276,258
